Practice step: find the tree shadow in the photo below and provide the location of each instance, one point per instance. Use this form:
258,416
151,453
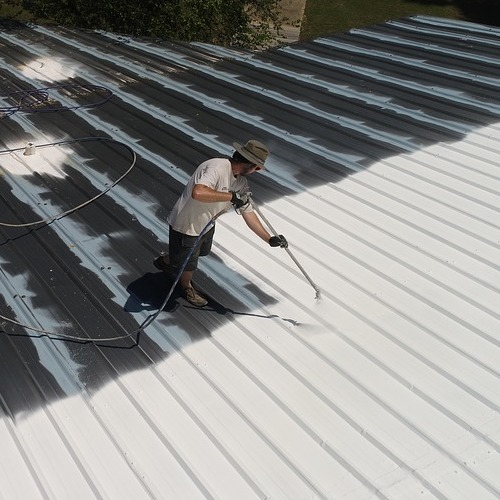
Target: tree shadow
94,271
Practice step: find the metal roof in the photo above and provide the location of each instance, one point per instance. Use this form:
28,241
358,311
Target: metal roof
383,176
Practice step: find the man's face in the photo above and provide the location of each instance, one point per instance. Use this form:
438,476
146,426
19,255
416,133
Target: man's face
250,169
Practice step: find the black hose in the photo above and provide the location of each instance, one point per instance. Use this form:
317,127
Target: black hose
41,96
78,207
147,321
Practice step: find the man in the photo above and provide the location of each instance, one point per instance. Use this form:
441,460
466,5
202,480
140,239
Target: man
215,184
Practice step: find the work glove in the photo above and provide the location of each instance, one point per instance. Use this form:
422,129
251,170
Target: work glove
278,241
239,200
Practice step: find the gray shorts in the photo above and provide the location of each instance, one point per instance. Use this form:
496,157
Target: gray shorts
179,246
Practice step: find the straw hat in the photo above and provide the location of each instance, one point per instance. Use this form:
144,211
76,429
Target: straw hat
254,151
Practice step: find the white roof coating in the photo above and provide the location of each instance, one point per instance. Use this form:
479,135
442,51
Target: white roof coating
384,178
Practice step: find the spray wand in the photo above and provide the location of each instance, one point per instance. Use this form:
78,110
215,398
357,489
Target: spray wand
289,252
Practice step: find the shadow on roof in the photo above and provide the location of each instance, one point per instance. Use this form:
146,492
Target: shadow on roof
327,109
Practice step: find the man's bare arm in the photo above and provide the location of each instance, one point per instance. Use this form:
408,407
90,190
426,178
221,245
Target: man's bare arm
254,223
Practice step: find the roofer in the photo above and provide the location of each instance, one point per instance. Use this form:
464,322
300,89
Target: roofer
214,185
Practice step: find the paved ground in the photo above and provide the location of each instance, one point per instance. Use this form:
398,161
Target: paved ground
294,11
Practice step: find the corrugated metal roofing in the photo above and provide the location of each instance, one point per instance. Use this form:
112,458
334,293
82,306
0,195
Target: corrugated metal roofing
384,178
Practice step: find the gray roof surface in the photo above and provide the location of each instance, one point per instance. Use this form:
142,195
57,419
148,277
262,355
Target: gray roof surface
383,176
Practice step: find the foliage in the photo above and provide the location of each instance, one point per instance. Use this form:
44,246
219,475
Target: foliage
248,23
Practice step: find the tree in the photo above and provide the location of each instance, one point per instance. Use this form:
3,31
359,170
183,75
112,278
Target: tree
247,23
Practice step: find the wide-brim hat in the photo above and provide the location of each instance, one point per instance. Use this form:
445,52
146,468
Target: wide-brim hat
254,151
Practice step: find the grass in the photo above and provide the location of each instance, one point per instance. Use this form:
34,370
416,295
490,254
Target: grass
322,17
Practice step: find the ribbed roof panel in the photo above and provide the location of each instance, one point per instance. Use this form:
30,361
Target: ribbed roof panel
384,178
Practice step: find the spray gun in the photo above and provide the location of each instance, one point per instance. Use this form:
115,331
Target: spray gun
289,252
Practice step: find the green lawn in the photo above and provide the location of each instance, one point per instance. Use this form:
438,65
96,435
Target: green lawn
330,16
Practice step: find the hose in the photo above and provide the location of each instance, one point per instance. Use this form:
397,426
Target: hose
65,213
88,202
41,96
146,322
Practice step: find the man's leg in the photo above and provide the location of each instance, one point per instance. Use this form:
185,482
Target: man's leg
162,262
185,280
190,293
179,247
